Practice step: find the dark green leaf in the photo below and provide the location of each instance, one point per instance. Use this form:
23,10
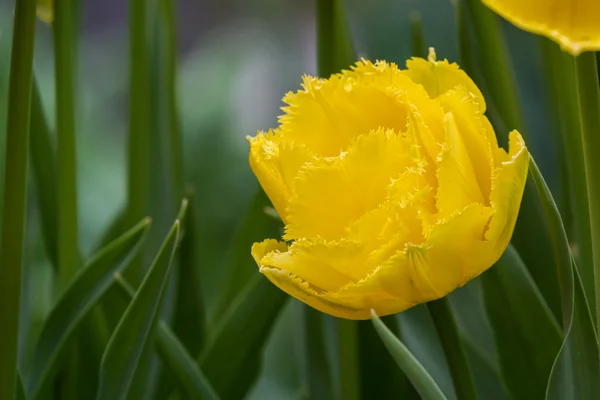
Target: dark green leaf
86,289
526,333
379,374
174,355
43,161
318,367
335,50
416,35
576,371
256,227
179,363
231,359
130,340
420,378
447,330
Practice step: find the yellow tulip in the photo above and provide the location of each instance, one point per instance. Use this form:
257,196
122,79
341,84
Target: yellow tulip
391,185
572,24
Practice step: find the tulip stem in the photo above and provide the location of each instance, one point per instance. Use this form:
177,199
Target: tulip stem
445,325
589,113
12,227
64,47
138,185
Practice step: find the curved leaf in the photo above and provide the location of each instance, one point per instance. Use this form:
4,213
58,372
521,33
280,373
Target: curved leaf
130,340
527,338
419,377
84,292
576,371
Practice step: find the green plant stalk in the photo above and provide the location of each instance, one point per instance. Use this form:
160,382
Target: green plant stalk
589,112
64,47
495,65
562,77
12,230
138,188
458,364
335,50
318,370
167,15
349,383
416,36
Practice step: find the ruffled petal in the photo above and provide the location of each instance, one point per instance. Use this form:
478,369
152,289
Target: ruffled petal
439,77
329,114
472,128
573,24
456,178
508,184
332,193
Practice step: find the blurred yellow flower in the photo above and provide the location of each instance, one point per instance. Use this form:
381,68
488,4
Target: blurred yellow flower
391,185
45,11
573,24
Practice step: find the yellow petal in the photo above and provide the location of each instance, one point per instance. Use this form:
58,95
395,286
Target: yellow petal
439,77
573,24
276,166
457,182
328,115
472,128
507,191
333,192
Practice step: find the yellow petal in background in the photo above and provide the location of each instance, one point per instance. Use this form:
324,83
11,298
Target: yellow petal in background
45,11
573,24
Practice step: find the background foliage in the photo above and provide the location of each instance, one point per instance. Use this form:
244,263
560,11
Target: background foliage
211,79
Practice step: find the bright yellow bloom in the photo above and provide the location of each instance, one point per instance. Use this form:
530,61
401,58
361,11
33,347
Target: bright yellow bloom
391,185
45,11
573,24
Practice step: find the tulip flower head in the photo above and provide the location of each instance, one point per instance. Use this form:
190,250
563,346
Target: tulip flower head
391,185
572,24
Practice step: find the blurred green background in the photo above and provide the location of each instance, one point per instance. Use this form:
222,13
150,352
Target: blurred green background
236,60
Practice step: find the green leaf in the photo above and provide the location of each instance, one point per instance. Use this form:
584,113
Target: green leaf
43,161
335,50
416,35
86,289
20,389
419,377
447,330
179,363
12,215
255,228
561,84
130,340
488,381
231,359
380,377
576,370
527,337
588,93
318,372
174,355
189,316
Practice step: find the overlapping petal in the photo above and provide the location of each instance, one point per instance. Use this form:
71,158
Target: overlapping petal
391,185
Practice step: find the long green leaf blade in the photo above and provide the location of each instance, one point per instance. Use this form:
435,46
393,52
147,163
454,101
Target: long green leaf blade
12,228
43,161
527,337
576,371
179,363
420,378
86,289
172,352
130,340
232,357
458,364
